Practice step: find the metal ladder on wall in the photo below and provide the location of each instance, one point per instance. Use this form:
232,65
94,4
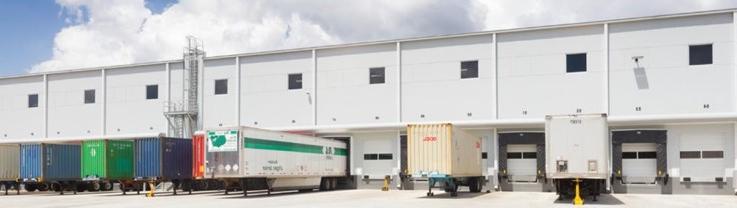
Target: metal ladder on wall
183,116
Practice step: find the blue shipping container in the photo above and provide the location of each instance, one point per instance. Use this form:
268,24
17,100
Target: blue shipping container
50,162
163,158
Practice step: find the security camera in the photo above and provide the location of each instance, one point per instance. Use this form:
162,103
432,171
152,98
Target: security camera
637,58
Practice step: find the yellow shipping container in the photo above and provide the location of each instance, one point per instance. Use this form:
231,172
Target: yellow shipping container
442,150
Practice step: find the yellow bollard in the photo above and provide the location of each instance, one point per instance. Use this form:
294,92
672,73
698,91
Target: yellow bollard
578,200
386,184
151,190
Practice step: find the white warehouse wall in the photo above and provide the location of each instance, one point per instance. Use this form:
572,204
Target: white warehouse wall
266,100
128,110
532,72
220,110
68,115
343,89
674,86
18,120
432,84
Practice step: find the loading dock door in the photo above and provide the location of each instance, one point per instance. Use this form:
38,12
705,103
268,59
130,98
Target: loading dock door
522,162
639,162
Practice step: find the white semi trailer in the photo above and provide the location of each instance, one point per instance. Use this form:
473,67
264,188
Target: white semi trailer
254,159
577,152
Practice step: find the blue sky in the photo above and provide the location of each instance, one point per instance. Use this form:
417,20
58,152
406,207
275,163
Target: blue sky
29,30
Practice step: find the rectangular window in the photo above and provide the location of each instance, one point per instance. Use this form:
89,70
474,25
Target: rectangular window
576,62
514,155
690,154
370,157
700,54
152,92
712,154
469,69
484,155
647,155
295,81
33,100
376,75
529,155
89,96
385,156
221,86
629,155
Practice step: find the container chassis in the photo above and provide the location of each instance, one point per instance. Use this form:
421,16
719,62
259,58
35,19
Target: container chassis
451,184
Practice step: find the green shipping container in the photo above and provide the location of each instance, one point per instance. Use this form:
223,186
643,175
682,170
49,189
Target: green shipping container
107,159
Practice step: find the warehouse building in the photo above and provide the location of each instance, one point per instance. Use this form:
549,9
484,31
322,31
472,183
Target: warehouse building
667,84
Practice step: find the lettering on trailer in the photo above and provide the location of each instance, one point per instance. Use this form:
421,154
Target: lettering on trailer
576,121
273,165
430,139
222,141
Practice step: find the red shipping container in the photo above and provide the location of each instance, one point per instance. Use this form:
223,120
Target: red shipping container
198,155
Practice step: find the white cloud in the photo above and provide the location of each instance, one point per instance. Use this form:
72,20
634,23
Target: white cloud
111,32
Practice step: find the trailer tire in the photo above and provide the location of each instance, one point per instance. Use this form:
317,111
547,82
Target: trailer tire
474,185
43,187
81,187
106,186
29,187
94,186
56,187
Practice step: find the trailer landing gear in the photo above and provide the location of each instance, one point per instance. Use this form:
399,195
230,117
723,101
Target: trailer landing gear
577,199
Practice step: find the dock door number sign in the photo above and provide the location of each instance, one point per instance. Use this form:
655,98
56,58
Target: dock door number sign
222,141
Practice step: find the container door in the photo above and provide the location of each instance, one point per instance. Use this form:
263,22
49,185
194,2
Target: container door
198,154
120,160
94,159
30,162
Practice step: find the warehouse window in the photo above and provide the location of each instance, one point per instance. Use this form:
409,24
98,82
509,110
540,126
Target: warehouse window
690,154
33,100
629,155
370,156
484,155
700,54
514,155
89,96
295,81
647,155
576,62
221,86
469,69
152,92
376,75
529,155
712,154
385,156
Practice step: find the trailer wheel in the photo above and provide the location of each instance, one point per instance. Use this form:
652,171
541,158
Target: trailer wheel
56,187
29,187
81,187
106,186
474,185
94,186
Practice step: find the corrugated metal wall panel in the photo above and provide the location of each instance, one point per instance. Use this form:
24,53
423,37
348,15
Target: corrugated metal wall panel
120,159
148,158
62,162
94,159
443,150
176,158
30,162
9,162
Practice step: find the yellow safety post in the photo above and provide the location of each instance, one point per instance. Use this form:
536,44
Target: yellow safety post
578,200
386,184
151,189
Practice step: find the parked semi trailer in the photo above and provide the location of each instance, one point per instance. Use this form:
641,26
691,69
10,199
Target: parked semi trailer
53,167
105,162
9,167
162,159
254,159
446,156
577,151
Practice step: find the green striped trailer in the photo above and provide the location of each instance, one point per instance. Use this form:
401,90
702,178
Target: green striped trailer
255,159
